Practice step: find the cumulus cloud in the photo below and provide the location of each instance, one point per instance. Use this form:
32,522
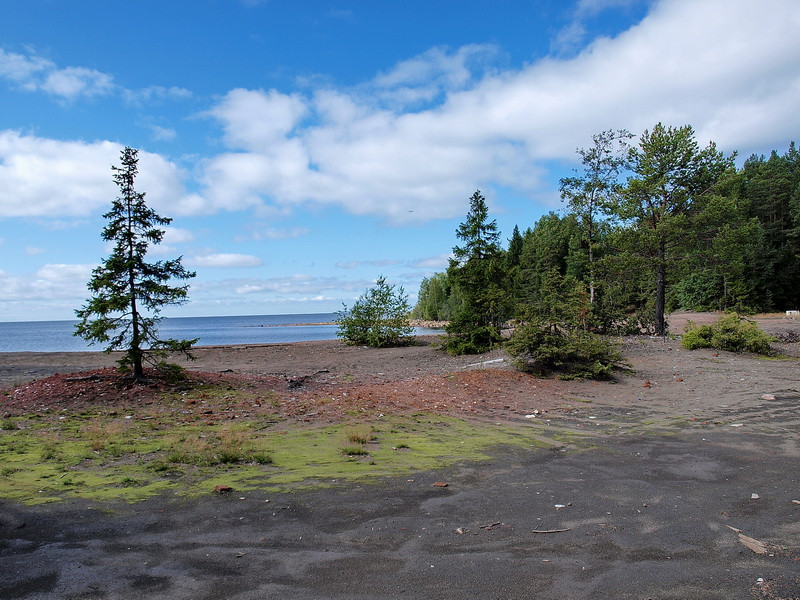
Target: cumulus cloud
52,282
224,261
412,144
710,63
33,73
48,178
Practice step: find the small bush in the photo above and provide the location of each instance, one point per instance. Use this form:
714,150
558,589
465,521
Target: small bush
732,333
572,354
379,318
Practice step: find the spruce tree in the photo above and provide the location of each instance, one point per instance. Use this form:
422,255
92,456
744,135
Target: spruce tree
478,272
127,291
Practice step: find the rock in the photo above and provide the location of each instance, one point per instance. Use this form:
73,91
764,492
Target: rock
439,484
223,489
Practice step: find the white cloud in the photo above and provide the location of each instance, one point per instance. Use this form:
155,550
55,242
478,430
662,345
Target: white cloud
370,263
276,233
224,261
728,68
33,250
163,133
253,119
438,262
34,73
305,285
52,282
47,178
176,235
586,8
156,92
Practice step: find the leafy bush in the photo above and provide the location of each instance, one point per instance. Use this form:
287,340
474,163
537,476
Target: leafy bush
573,354
732,333
379,318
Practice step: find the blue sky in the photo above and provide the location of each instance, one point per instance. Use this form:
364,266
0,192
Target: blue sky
305,148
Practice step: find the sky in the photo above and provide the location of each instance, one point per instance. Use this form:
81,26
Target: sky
303,149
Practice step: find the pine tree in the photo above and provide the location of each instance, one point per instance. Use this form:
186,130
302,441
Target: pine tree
127,291
669,173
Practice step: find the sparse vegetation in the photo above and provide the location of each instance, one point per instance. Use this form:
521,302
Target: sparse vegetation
354,450
732,332
358,434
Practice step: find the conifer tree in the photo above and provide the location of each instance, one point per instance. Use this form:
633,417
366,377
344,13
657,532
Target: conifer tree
127,291
478,272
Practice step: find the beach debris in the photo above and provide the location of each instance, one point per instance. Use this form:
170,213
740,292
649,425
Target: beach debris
551,530
737,424
755,496
647,384
560,506
491,526
83,378
223,489
461,530
485,362
768,397
533,415
795,501
755,545
441,484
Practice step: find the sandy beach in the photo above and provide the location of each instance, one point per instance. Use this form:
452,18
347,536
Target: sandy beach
689,488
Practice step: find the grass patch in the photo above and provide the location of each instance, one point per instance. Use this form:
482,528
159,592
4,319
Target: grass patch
354,450
358,434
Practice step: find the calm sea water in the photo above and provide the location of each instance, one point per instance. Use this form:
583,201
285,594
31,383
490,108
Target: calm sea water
56,336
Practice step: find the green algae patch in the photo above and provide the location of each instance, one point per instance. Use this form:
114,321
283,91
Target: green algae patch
112,458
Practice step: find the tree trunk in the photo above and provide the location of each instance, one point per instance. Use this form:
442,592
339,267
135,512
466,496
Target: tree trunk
661,288
135,351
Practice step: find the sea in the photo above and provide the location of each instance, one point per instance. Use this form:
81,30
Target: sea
57,336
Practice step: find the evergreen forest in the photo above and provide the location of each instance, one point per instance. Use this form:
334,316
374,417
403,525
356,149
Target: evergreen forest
649,226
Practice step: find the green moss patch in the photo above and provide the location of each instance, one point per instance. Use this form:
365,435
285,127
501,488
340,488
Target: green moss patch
104,456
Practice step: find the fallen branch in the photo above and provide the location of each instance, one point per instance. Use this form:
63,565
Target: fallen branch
84,378
551,530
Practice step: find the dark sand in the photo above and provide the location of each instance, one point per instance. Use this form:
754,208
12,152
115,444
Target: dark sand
637,516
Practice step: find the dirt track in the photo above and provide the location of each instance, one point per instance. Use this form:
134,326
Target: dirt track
641,507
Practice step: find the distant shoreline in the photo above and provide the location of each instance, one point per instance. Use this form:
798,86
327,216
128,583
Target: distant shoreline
412,323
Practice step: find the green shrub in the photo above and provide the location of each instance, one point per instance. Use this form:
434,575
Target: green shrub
732,333
475,339
379,318
572,354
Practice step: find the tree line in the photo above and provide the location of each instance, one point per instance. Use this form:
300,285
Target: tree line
650,226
